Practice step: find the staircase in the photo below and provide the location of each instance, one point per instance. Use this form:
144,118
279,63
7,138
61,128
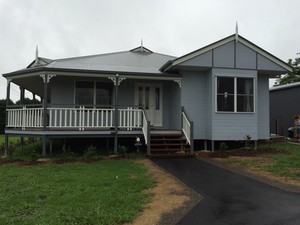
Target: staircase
169,144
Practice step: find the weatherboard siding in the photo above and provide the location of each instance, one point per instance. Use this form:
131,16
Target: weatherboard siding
263,109
194,101
172,106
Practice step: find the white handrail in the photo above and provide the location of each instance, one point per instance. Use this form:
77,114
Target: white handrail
186,127
79,118
145,129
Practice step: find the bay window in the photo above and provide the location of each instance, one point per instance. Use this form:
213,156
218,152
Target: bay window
235,94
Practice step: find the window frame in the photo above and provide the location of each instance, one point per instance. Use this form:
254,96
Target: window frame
235,94
94,93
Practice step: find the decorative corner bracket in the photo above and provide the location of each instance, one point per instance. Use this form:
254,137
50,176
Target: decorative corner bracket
8,82
48,77
178,82
114,80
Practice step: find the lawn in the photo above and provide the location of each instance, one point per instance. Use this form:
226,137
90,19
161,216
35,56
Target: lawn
104,192
11,139
286,164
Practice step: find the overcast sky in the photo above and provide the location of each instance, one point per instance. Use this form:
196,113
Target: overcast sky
69,28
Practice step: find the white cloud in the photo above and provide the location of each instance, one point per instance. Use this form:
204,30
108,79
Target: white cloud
73,27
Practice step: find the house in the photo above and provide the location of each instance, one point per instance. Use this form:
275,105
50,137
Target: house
217,93
284,107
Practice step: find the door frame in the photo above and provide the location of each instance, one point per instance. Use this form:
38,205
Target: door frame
152,98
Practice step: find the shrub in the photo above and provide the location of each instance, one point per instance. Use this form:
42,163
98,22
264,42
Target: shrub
122,150
90,152
223,146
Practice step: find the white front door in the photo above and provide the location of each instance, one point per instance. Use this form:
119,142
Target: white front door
149,97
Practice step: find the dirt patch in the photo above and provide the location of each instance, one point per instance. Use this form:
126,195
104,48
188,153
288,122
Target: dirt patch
171,199
246,152
256,173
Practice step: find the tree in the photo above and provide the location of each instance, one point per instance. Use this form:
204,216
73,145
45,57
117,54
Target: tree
290,77
3,114
28,101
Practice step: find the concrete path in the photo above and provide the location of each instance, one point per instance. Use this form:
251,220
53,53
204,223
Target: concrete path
231,198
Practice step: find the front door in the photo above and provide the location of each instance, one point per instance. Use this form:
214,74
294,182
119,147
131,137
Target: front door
149,97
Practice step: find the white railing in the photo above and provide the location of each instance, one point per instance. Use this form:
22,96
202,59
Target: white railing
186,127
25,118
130,118
145,129
78,118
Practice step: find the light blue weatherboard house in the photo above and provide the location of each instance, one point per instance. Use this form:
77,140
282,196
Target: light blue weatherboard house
217,93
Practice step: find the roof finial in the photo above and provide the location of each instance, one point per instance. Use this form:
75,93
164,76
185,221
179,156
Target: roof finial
236,32
142,45
36,55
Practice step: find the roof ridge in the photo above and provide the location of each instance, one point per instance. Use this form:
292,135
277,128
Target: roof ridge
89,56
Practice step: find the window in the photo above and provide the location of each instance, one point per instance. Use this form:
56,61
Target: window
103,94
84,93
235,94
93,93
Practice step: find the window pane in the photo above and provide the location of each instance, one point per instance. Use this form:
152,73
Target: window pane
225,103
147,98
245,86
157,98
141,97
103,94
84,93
245,99
225,84
225,99
245,103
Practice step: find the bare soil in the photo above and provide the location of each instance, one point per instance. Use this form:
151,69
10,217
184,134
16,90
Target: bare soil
171,199
258,174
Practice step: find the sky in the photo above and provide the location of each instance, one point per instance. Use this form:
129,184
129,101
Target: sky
70,28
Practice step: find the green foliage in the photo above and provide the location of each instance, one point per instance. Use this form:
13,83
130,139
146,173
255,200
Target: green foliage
30,152
106,192
291,77
247,140
122,150
223,146
91,152
286,165
28,101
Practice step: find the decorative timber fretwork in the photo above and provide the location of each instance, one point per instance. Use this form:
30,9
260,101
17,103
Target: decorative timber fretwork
115,78
178,82
48,77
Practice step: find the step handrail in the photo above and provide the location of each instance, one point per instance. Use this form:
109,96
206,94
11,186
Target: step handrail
187,127
146,131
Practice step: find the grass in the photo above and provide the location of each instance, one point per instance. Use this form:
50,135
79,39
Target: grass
287,165
11,139
284,165
105,192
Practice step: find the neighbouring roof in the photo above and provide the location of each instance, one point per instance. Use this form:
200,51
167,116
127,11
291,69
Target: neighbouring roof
285,86
138,60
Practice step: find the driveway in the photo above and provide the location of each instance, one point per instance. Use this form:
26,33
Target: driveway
231,198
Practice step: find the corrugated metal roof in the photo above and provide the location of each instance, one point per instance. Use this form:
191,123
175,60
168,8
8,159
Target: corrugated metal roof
129,62
285,86
139,60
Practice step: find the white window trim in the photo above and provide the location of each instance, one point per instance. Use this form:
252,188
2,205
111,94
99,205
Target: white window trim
235,95
94,91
